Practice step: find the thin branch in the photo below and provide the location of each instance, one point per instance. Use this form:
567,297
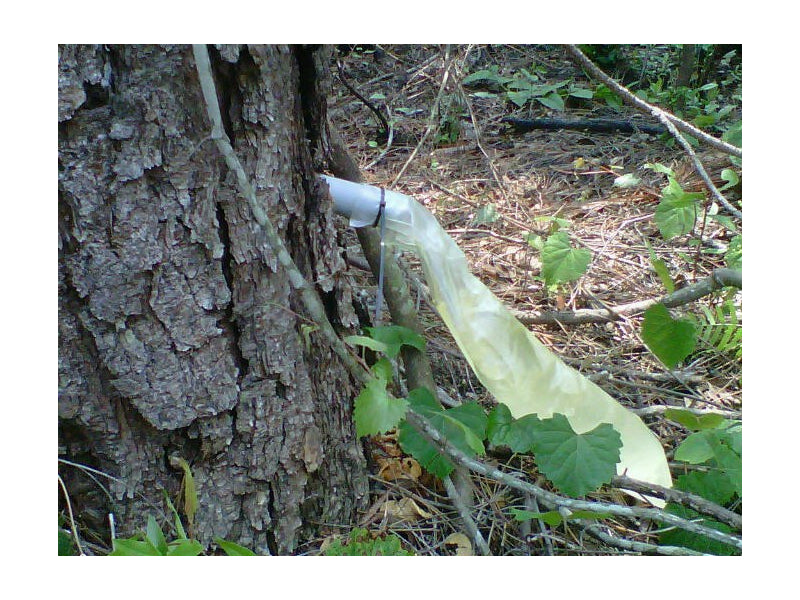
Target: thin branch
719,278
634,100
466,517
554,500
673,124
598,532
697,503
308,294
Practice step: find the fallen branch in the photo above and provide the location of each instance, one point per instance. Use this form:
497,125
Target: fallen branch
594,125
671,122
696,503
637,102
719,278
554,500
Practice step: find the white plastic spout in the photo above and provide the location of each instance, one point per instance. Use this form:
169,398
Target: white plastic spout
361,202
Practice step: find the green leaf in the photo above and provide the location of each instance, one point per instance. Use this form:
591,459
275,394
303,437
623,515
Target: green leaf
362,340
551,517
576,463
486,214
676,214
66,544
561,262
733,257
464,426
660,267
131,547
178,525
383,370
429,457
555,518
185,548
552,100
659,168
671,340
692,421
503,430
579,92
232,549
687,539
733,135
155,536
695,449
375,410
395,336
730,178
519,98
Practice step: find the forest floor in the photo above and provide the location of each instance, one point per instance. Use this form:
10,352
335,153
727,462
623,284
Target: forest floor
494,190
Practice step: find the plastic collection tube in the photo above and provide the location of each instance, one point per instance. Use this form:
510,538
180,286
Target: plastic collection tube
509,360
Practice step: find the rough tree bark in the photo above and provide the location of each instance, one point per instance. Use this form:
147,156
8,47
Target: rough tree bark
178,332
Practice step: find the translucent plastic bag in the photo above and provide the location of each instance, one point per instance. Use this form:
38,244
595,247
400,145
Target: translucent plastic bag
508,359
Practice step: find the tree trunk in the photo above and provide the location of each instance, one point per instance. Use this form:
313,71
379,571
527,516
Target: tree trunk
179,335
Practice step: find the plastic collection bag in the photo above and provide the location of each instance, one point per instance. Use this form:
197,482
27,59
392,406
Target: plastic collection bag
509,360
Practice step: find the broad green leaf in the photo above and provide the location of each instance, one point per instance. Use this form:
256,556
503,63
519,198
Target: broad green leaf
551,517
552,100
519,98
383,370
628,180
555,518
576,463
486,214
185,548
676,214
692,421
733,257
695,449
232,549
429,457
463,426
681,537
375,410
124,547
362,340
733,135
660,267
730,178
66,544
471,418
659,168
671,340
395,336
155,536
503,430
561,262
730,465
579,92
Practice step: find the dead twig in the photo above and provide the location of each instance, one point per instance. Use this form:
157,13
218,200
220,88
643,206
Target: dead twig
719,278
673,124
